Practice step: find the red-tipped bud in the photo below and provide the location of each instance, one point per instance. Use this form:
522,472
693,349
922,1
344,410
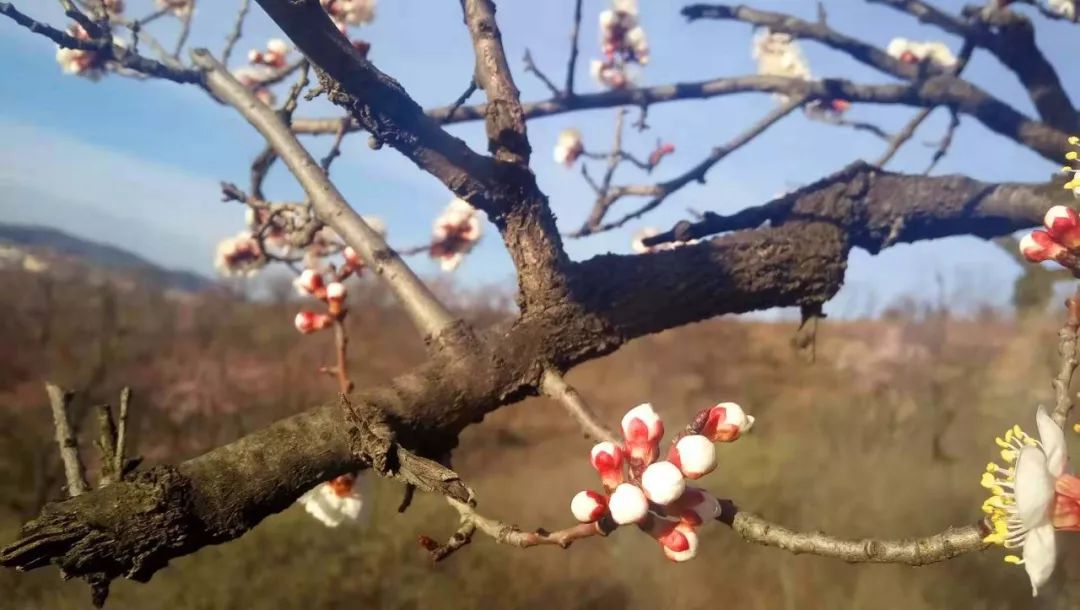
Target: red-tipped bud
310,282
335,298
588,506
661,151
909,58
695,506
839,105
1063,224
628,504
308,321
726,422
607,459
1039,246
663,483
352,258
680,544
642,429
694,455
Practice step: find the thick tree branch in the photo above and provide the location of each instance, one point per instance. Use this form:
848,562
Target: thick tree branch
505,122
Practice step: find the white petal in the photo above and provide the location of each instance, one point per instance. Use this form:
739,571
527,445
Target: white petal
1034,488
1040,555
1053,441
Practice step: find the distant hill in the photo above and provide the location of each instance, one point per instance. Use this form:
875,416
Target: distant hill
36,246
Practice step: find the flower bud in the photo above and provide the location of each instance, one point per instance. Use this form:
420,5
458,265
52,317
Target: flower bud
588,506
662,482
694,455
680,544
1063,225
607,459
1039,246
628,504
335,298
642,429
308,321
726,422
352,258
310,282
695,506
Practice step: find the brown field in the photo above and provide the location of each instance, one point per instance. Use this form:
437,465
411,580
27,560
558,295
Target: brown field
885,435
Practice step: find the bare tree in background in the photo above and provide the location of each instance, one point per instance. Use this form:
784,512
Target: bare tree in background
791,251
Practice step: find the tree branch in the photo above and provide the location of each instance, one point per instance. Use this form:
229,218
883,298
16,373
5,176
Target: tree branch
940,90
425,310
74,472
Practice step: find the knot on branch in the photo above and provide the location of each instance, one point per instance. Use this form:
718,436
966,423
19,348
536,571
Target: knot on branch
130,528
373,441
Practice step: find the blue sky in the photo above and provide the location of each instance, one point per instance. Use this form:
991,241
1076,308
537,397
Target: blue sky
137,162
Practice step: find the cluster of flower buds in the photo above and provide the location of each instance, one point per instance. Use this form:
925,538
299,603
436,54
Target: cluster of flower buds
179,8
346,13
913,52
255,78
568,147
311,283
653,494
621,37
239,255
637,243
335,501
277,50
1060,241
623,44
88,64
454,234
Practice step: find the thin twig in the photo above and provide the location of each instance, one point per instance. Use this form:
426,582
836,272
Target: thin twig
946,141
530,66
185,31
555,387
460,101
106,445
335,148
121,431
571,65
341,346
74,471
237,31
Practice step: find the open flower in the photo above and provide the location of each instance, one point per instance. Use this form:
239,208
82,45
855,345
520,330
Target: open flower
568,147
455,233
1031,496
335,501
1065,8
277,50
913,52
239,255
179,8
88,64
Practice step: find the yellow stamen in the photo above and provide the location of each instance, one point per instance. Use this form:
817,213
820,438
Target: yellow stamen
1013,559
1074,140
1008,455
1071,155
